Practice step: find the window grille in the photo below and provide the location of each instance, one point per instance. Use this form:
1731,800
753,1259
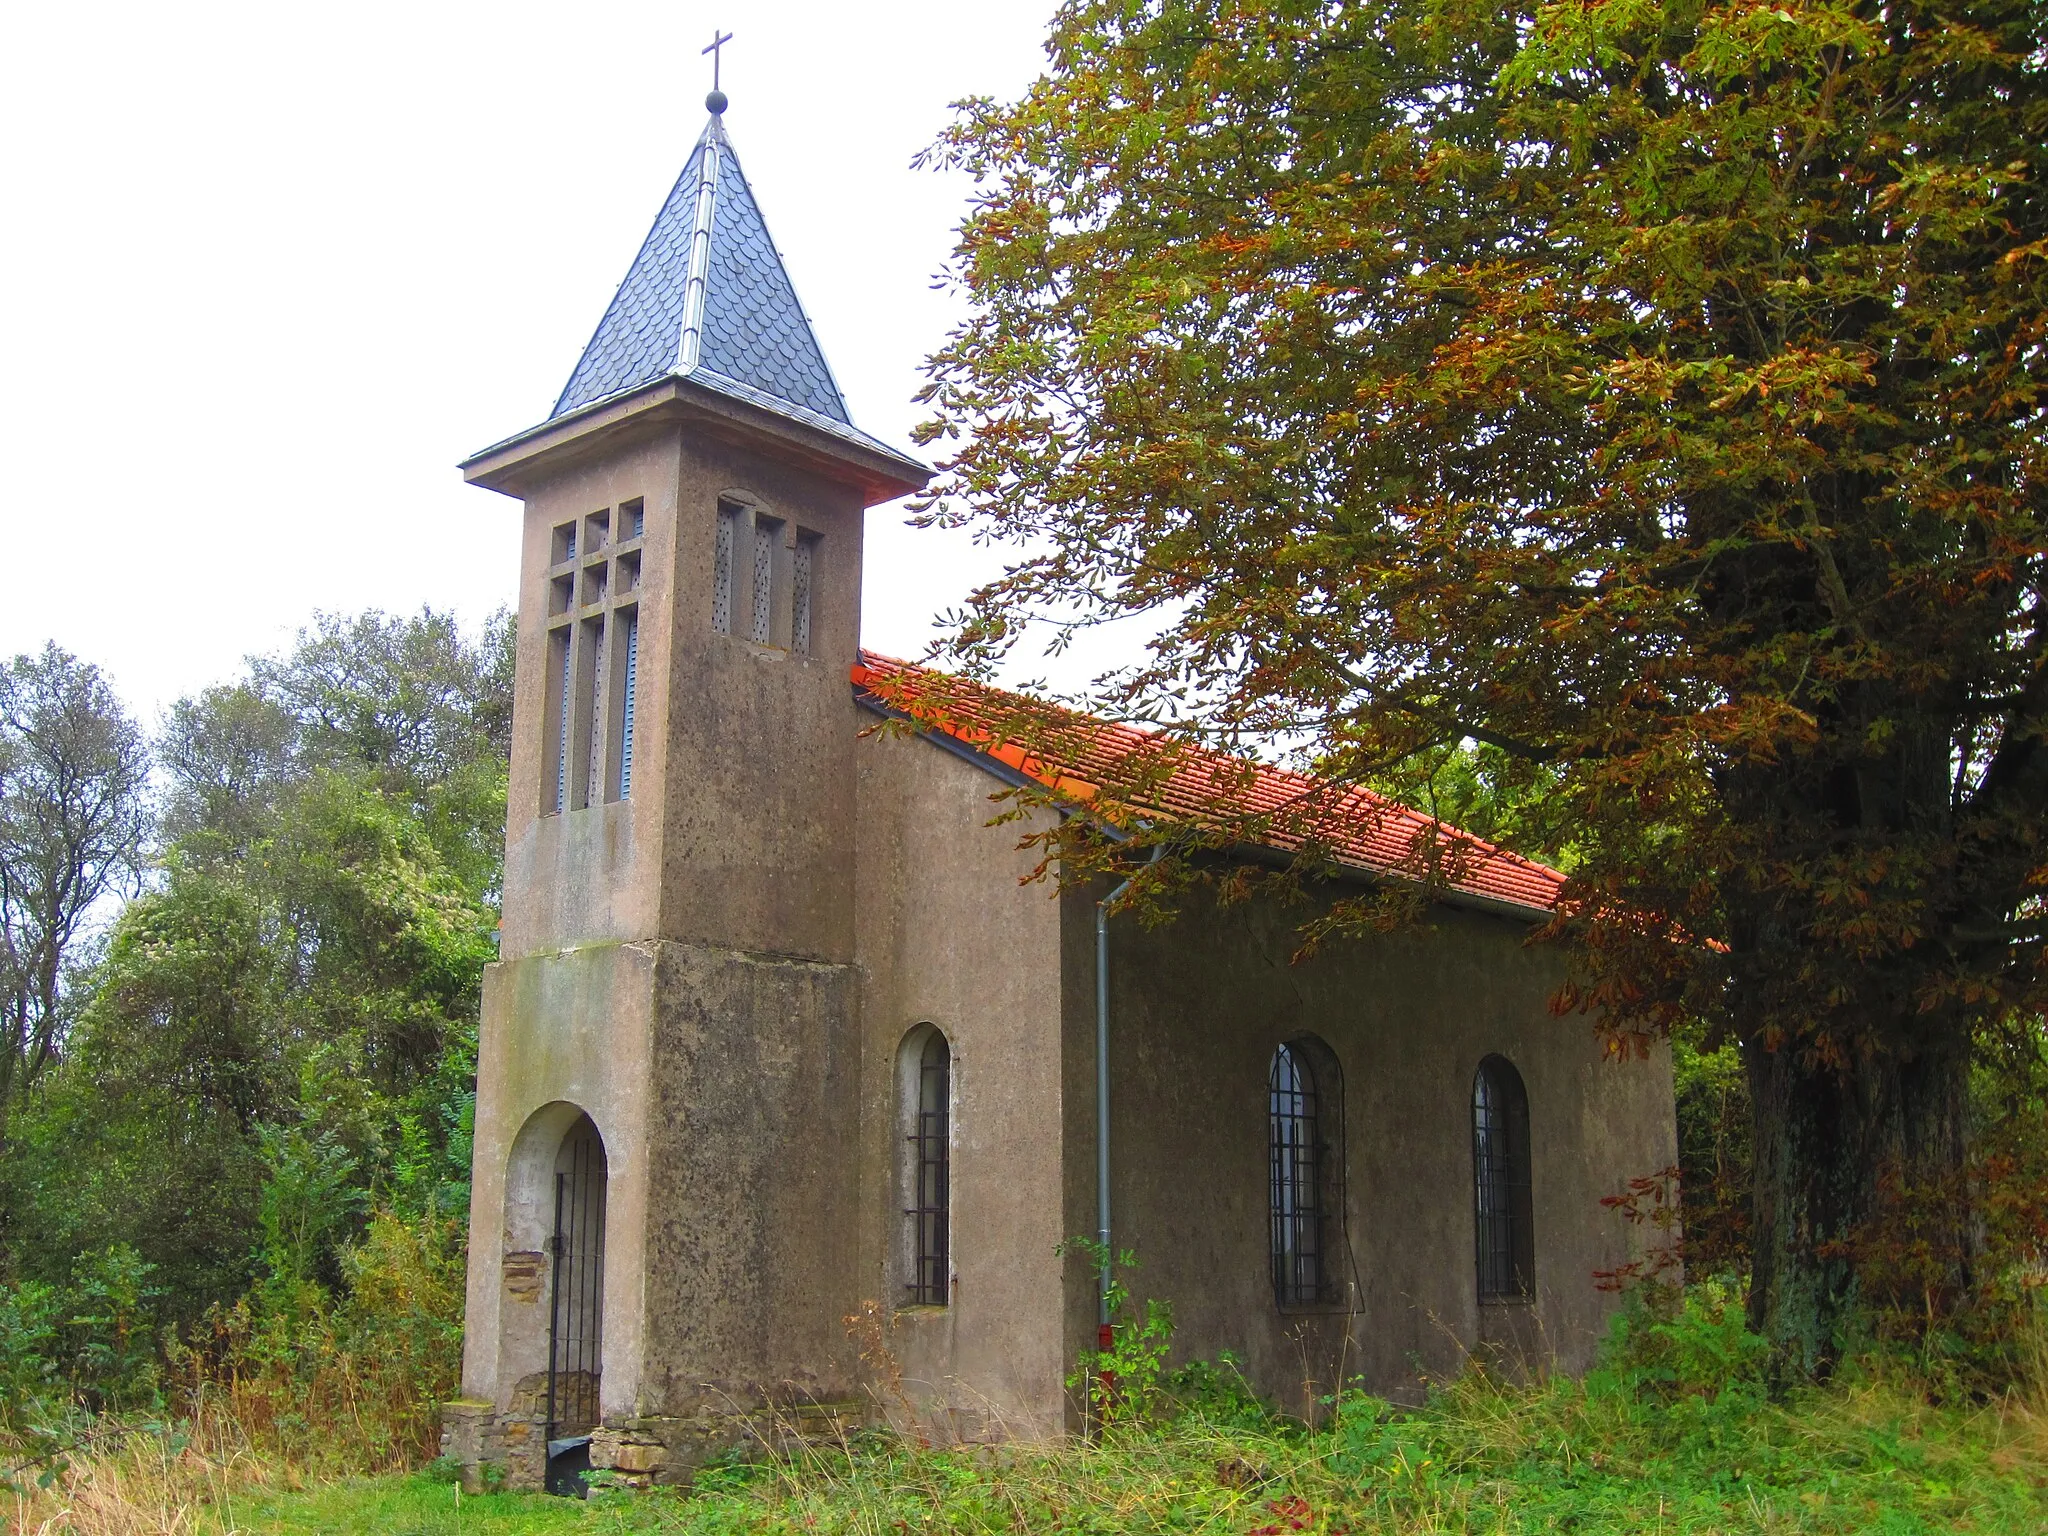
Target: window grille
1502,1203
762,629
721,568
1299,1155
631,619
639,515
930,1210
800,594
576,1309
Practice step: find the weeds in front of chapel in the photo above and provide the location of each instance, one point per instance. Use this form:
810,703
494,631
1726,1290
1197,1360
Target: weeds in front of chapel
1675,1432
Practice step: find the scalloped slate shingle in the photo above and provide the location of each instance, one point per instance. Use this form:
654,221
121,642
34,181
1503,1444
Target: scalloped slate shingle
754,330
636,341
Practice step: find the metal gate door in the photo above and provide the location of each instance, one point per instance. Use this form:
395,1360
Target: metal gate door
576,1325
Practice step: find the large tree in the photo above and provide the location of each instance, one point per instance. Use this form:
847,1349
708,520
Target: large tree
297,996
1653,393
74,816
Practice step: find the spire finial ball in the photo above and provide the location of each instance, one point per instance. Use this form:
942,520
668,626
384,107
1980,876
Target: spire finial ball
715,103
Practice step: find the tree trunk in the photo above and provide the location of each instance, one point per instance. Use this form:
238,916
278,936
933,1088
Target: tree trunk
1860,1193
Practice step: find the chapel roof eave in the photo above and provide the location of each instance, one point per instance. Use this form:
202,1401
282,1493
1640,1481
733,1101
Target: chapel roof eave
1501,884
711,402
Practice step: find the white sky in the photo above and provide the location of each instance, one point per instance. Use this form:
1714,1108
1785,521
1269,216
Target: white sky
270,270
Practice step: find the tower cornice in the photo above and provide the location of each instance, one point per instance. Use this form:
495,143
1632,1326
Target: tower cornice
707,402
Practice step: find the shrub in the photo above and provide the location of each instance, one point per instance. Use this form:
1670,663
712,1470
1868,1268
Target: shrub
30,1315
1121,1381
88,1344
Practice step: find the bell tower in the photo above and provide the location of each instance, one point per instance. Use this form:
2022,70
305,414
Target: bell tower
675,1005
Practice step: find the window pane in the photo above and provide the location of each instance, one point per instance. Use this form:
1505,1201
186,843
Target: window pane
1502,1228
1297,1211
931,1193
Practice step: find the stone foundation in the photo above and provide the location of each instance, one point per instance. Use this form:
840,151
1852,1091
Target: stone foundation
475,1434
638,1452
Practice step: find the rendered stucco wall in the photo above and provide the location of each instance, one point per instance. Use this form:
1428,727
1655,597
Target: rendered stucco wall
678,964
562,1032
951,937
1197,1008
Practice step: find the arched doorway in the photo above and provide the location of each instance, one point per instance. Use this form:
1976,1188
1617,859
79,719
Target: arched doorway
576,1318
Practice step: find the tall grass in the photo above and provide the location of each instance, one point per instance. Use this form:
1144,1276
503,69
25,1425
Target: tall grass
290,1386
1675,1431
145,1480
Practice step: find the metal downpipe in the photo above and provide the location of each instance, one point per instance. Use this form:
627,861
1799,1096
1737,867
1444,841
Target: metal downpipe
1102,907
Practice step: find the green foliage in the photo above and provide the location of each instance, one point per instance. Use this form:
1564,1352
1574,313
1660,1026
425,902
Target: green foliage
309,1199
1496,795
1215,1392
409,705
30,1316
109,1338
1676,1426
88,1344
376,1351
265,1101
1702,1348
1122,1383
74,816
1714,1156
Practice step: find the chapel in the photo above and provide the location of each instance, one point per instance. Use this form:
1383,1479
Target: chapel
794,1088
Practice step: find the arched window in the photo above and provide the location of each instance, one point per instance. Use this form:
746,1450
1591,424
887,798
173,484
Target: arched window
1501,1204
928,1094
1306,1162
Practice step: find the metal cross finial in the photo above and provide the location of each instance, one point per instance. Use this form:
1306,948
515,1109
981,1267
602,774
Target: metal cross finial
718,41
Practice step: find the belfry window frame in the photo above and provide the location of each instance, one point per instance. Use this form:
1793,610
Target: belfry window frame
764,576
591,651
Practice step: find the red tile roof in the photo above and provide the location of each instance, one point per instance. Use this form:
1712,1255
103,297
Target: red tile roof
1147,775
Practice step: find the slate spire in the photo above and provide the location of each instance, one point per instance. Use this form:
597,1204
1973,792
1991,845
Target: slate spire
708,298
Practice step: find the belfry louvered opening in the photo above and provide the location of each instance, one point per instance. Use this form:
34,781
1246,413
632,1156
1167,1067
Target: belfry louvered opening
593,659
800,588
767,563
764,576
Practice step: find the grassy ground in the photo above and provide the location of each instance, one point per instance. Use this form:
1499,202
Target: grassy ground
1678,1437
1481,1460
1863,1464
